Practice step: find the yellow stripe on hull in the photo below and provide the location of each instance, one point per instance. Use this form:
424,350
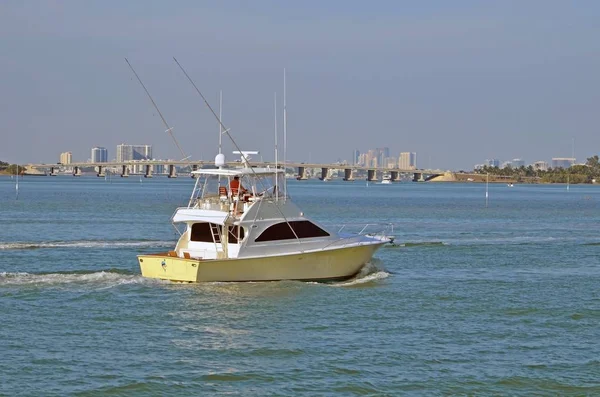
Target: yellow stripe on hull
332,264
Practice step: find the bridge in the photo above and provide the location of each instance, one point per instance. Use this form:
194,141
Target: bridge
325,169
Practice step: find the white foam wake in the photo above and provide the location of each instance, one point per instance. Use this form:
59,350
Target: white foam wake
82,244
370,272
380,275
105,279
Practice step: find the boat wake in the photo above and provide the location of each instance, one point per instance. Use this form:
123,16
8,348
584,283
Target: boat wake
102,279
371,272
84,244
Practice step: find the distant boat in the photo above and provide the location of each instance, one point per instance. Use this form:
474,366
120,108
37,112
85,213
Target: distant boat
386,180
510,185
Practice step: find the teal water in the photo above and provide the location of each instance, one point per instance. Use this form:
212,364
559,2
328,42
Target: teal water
501,300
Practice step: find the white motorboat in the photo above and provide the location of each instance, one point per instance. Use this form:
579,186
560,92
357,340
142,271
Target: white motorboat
255,233
386,180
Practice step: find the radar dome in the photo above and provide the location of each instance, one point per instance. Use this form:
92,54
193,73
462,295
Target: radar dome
220,160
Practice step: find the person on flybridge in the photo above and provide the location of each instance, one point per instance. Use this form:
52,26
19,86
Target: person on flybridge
236,187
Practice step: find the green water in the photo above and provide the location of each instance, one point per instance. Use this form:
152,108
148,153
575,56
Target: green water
501,300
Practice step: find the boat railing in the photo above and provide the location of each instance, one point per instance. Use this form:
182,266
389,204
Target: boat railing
212,202
235,206
382,231
367,229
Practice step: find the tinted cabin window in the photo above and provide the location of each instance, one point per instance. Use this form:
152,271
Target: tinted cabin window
281,231
233,234
202,232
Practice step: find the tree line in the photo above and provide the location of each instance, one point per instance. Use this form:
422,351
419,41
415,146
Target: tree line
11,168
582,173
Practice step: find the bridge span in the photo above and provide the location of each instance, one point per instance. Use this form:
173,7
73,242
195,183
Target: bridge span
124,168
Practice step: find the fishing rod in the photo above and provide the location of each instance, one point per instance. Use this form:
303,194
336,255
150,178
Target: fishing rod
225,129
169,128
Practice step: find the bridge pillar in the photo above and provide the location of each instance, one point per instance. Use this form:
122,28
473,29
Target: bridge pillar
324,174
124,171
52,173
148,173
100,172
76,171
371,175
172,171
395,176
418,177
348,174
301,174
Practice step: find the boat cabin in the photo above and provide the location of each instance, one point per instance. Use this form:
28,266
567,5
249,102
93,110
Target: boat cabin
242,212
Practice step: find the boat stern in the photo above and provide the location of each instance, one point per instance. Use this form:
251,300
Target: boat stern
166,266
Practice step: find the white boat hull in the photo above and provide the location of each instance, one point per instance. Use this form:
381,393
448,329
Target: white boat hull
322,265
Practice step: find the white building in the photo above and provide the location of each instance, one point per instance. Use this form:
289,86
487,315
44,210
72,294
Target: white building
133,152
540,165
562,162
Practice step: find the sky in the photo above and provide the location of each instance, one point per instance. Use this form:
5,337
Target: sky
457,81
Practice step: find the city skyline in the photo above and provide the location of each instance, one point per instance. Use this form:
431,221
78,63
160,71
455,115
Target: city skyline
372,157
455,82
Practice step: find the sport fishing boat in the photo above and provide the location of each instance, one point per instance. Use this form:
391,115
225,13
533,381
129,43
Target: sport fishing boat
241,225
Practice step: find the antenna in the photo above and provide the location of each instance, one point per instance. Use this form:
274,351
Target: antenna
220,118
284,139
276,176
245,156
169,129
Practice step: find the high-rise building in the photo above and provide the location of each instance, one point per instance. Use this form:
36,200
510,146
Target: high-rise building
133,152
390,162
562,162
371,158
66,157
137,153
492,162
540,165
362,159
381,154
407,161
355,157
99,155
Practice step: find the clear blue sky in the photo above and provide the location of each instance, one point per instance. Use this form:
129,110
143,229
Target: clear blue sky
455,81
